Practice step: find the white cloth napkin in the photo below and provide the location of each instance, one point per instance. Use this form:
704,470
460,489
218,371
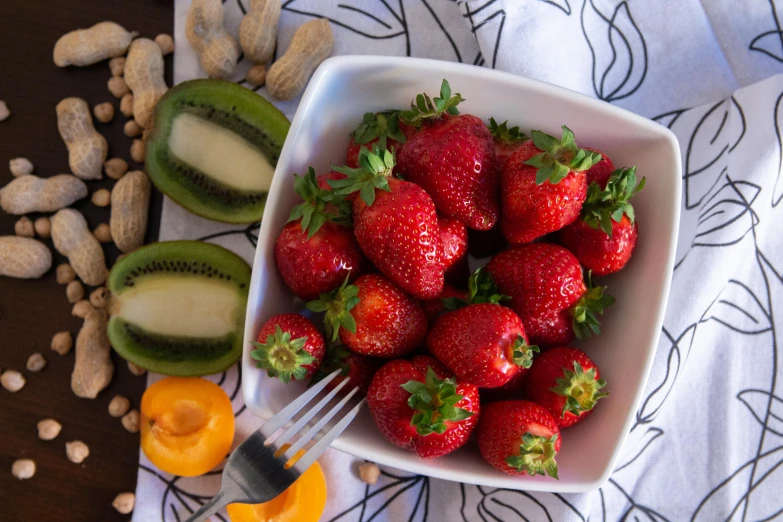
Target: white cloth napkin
707,443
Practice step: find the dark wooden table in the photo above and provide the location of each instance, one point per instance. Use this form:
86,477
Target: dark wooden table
32,311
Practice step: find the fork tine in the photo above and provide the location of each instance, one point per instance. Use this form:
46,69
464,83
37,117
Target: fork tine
304,439
284,415
290,432
308,458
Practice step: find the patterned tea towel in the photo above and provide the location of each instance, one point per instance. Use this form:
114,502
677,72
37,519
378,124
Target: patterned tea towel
707,443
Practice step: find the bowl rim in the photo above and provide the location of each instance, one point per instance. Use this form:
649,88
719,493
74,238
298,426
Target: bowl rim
336,64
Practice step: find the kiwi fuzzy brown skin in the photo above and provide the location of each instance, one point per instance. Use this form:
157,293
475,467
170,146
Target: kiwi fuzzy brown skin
231,107
212,273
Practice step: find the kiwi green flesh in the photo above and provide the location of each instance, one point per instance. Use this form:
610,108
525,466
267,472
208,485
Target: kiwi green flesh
178,307
258,130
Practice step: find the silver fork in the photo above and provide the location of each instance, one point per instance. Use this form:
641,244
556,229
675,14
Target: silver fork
258,470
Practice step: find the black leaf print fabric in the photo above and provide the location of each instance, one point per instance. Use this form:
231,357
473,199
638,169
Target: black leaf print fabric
706,441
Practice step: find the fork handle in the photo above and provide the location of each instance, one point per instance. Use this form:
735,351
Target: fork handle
210,508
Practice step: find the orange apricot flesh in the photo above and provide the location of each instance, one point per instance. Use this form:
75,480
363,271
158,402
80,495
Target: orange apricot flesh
187,425
303,501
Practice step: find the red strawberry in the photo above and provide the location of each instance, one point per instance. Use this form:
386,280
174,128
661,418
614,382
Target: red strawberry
601,171
395,224
419,407
434,307
453,158
289,347
506,140
357,369
316,249
604,238
454,238
382,128
323,183
373,317
566,382
519,437
543,186
511,390
549,293
482,342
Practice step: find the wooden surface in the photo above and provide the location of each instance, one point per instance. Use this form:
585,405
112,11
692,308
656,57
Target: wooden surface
32,311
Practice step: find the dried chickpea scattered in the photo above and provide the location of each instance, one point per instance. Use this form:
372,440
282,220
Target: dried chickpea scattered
24,227
117,86
126,105
104,112
131,129
101,198
12,380
102,233
43,227
23,469
165,42
62,342
117,65
36,362
119,406
369,473
81,309
74,291
130,421
65,274
115,168
136,370
137,151
77,451
124,503
48,429
5,112
21,166
98,297
256,75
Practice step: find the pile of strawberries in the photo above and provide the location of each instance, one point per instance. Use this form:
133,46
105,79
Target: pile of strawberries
380,248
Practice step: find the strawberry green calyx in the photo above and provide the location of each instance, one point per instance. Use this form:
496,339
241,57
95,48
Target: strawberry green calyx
522,353
580,388
503,133
334,359
375,168
559,156
604,205
283,357
423,107
587,309
536,456
380,126
319,206
433,403
481,289
337,304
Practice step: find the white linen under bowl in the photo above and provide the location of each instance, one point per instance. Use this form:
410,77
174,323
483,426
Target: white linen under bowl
340,92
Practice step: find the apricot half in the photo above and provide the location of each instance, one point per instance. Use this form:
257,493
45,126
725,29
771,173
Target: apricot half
303,501
187,425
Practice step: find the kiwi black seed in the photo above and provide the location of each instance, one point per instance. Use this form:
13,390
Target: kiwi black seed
178,307
214,147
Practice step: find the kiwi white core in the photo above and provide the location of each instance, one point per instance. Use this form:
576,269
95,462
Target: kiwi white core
219,153
180,306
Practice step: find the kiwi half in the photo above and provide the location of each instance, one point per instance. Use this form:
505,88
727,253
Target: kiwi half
178,307
214,147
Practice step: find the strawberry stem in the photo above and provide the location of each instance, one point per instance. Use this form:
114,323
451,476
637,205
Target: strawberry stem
580,388
334,359
559,157
433,403
587,309
319,205
283,357
503,133
522,353
604,205
481,289
337,304
536,456
380,126
424,108
375,168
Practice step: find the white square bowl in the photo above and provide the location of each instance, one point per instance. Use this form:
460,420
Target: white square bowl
340,92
